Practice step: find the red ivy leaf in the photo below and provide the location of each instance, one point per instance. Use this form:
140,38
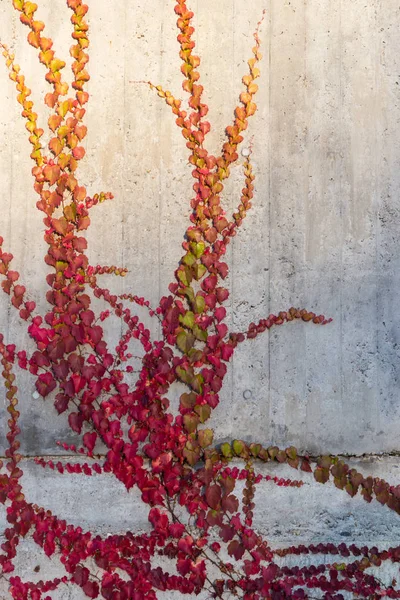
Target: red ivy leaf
45,384
75,421
213,496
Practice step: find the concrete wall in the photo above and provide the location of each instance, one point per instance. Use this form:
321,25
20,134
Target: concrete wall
323,232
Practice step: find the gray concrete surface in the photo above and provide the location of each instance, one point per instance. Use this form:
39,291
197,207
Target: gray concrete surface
323,233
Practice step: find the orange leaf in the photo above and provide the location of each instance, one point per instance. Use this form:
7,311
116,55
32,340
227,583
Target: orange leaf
82,97
194,61
45,44
61,88
55,146
245,97
37,26
51,173
60,225
34,39
72,140
253,88
240,113
50,100
83,76
79,193
54,200
78,152
73,164
80,131
84,223
46,57
251,109
54,122
71,183
75,51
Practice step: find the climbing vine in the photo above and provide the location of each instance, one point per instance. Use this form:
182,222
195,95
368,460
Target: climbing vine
200,497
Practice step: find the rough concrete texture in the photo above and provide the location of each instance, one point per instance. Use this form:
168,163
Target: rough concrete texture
323,233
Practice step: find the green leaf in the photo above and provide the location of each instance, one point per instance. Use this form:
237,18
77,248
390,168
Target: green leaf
191,422
226,450
184,275
194,234
200,334
189,259
195,355
188,400
238,447
187,319
185,375
204,412
325,462
199,304
185,341
205,437
189,293
197,385
291,452
61,265
192,456
321,475
273,452
198,271
197,248
255,449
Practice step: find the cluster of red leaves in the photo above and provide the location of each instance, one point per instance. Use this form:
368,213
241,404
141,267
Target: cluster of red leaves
201,509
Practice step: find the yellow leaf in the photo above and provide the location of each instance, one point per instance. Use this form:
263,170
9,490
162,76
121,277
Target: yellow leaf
63,131
63,160
64,108
29,8
46,57
56,65
61,88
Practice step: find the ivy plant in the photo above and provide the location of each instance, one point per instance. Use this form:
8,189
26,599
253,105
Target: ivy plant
200,495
